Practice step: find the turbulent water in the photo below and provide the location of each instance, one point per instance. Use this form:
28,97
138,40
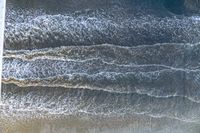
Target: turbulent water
103,59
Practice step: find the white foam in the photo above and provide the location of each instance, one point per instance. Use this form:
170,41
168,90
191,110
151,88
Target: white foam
197,18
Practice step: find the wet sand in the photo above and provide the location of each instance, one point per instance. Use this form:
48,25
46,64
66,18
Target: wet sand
62,124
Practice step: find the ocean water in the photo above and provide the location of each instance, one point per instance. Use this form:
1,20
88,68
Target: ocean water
99,66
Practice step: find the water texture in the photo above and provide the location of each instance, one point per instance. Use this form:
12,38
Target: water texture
133,63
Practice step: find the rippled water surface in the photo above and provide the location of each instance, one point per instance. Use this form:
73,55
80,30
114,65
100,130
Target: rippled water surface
99,66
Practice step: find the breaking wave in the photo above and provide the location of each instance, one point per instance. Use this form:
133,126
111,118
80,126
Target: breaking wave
121,23
120,72
103,58
58,100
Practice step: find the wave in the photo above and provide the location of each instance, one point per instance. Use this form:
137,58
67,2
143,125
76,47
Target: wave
58,100
153,79
168,55
148,63
109,24
175,6
58,30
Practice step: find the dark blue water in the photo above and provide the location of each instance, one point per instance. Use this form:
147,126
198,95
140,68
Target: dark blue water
36,24
100,59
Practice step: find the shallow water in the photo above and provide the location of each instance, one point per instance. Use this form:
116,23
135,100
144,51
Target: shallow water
77,66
